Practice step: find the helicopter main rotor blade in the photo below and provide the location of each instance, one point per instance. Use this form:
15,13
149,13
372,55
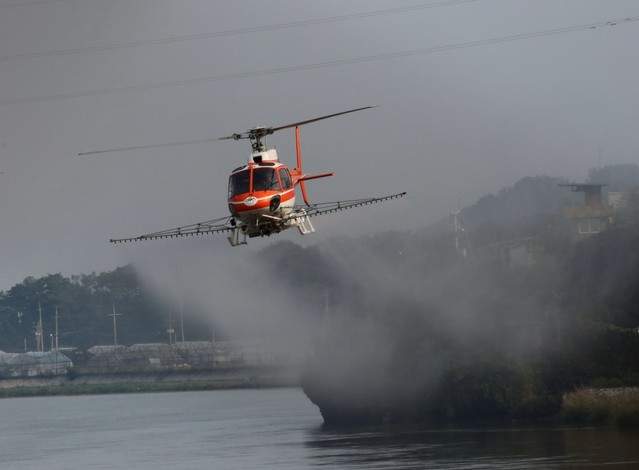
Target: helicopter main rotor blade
254,133
259,132
138,147
301,123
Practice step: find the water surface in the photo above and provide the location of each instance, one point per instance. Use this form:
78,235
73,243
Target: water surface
273,429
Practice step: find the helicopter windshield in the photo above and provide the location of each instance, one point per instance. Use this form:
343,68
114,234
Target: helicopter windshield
239,183
265,179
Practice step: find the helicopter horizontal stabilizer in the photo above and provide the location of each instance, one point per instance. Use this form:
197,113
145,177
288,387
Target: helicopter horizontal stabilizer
314,177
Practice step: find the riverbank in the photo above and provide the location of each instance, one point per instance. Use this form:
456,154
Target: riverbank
602,406
617,407
148,382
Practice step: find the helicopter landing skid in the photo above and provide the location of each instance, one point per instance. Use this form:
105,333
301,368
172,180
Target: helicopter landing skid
305,226
234,237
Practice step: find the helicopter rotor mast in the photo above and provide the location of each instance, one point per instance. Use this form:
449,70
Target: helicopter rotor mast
256,134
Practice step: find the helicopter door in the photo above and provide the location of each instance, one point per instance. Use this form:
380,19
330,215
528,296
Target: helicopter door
285,177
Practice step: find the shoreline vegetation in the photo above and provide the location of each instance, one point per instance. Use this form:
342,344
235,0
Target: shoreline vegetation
602,406
150,382
588,406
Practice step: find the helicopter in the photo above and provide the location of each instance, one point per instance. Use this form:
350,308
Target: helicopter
261,192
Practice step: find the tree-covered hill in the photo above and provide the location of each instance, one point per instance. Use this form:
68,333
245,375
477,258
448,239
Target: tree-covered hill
83,304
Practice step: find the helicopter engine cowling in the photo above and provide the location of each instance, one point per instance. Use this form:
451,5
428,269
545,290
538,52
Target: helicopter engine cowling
269,155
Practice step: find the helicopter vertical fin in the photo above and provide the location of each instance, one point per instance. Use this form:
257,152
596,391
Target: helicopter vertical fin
299,176
298,148
303,188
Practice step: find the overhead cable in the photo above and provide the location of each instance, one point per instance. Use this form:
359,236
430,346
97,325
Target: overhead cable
320,65
27,4
230,32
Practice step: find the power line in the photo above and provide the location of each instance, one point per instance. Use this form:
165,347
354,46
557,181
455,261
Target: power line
320,65
230,32
27,4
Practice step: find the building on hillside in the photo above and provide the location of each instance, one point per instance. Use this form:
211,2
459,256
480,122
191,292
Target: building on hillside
155,355
199,353
520,253
36,364
188,355
513,253
104,358
591,217
4,357
617,199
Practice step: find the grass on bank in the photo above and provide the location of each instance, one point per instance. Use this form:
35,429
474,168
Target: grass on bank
141,387
617,406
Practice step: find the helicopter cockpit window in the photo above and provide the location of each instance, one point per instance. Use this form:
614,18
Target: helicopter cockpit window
239,183
285,177
265,179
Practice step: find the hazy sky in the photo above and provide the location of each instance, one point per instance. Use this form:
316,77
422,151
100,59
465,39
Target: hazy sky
453,123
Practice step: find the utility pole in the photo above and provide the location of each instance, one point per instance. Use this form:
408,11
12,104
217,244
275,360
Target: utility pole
115,331
182,322
39,333
56,328
457,228
20,314
170,330
462,240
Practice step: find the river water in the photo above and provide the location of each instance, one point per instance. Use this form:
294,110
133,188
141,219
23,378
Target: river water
273,429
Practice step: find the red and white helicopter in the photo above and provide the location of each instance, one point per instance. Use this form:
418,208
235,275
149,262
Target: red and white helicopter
261,193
